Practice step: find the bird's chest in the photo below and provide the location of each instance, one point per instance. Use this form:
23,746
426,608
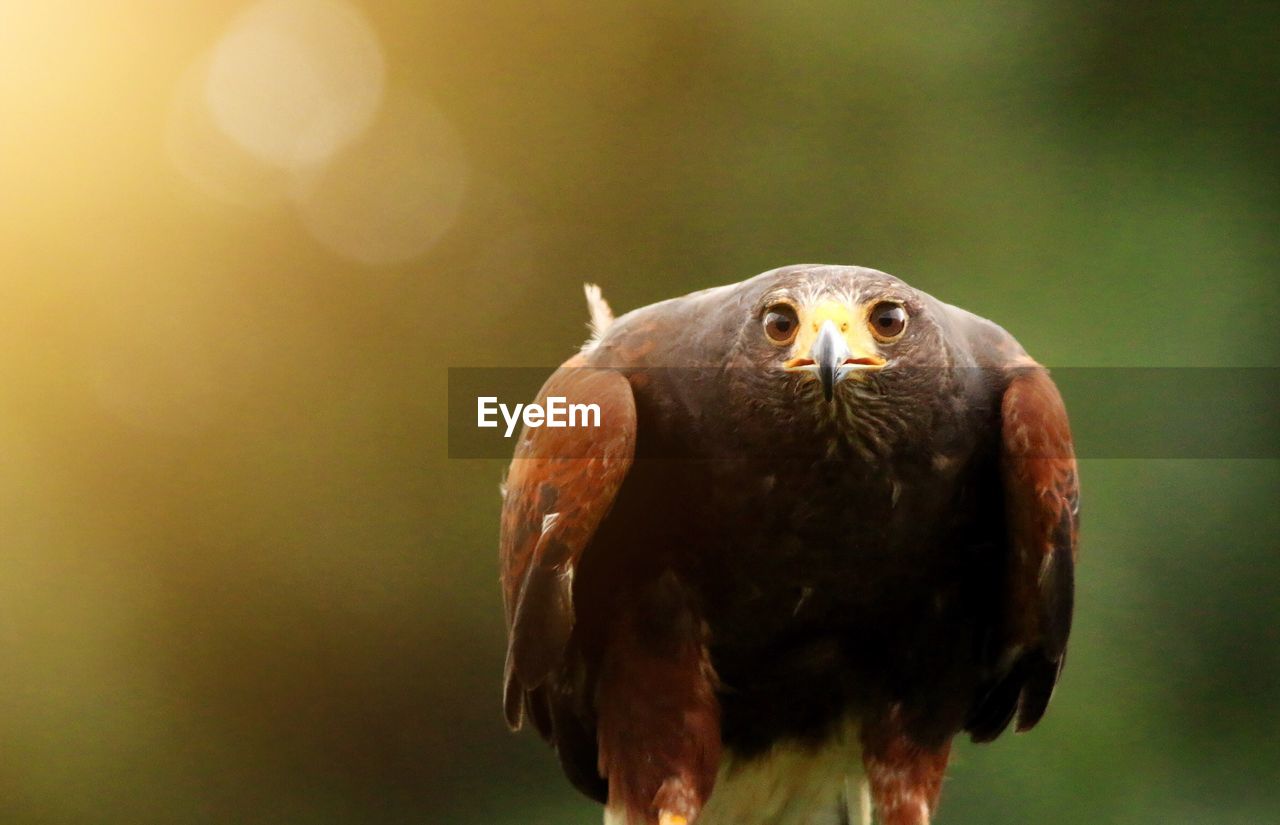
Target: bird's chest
786,545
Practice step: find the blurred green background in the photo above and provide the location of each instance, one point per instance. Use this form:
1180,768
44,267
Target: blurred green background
240,243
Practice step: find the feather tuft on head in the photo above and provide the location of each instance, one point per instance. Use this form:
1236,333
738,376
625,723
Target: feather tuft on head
601,314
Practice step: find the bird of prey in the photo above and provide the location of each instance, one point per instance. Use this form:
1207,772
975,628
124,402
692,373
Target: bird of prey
826,523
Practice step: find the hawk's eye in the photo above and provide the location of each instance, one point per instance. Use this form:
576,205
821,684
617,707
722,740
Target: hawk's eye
781,323
887,320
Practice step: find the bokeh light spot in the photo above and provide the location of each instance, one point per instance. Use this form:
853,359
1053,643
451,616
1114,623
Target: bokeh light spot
390,196
293,81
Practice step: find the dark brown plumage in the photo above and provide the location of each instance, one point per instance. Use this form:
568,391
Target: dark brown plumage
826,520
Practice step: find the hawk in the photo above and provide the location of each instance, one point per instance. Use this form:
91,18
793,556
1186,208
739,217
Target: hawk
826,523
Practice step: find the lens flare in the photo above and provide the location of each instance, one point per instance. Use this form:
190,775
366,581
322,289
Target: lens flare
393,194
293,81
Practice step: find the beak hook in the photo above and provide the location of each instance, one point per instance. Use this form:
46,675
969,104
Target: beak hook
829,353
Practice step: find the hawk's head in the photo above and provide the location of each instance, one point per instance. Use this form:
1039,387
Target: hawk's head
840,329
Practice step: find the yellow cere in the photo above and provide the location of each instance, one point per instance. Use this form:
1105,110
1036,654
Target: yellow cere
851,321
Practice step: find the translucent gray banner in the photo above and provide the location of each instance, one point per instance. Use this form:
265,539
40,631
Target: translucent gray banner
1115,412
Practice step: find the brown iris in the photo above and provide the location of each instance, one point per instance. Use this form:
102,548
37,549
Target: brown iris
781,323
887,320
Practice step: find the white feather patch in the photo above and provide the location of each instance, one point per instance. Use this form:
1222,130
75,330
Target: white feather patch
793,784
601,316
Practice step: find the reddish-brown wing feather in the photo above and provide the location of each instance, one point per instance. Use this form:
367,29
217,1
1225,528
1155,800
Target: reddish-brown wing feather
1041,492
561,484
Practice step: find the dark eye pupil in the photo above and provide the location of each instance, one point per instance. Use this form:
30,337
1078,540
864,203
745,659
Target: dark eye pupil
889,319
780,324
